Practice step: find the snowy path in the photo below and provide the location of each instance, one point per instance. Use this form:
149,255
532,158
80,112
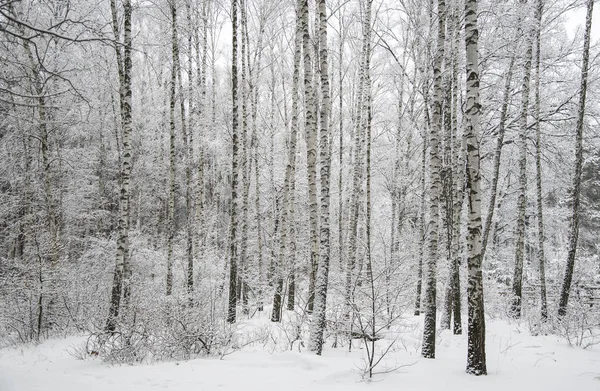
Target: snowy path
516,361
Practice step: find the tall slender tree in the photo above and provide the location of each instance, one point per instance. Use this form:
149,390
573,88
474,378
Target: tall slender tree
506,94
311,153
287,214
539,7
435,187
201,121
517,283
318,324
422,224
122,274
359,150
233,222
576,190
476,358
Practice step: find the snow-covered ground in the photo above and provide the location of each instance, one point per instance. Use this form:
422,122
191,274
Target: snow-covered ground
516,361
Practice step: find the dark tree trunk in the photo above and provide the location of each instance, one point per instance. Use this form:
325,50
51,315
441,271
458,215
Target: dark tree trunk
233,256
574,226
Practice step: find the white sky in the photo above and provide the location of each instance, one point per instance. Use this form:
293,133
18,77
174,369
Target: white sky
577,20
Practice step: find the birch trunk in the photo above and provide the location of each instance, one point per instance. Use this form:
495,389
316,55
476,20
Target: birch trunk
448,181
245,182
122,273
517,284
233,256
359,139
201,118
460,148
187,144
171,205
421,229
254,93
341,146
538,163
476,359
311,154
287,214
429,332
318,323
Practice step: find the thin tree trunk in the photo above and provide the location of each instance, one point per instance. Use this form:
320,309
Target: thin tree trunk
448,179
394,198
421,229
316,341
359,139
311,154
232,302
341,146
259,280
429,332
460,148
538,163
174,71
244,166
370,276
398,193
287,214
476,359
574,224
254,93
517,283
122,274
187,137
497,156
202,125
273,191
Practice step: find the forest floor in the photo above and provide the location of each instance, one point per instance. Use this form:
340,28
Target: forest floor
516,360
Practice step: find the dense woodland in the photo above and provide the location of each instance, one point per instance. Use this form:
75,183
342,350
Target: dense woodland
172,169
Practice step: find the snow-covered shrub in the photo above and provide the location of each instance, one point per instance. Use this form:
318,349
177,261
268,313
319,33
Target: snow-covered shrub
580,326
156,327
41,298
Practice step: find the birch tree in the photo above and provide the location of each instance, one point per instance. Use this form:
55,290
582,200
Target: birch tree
476,358
539,7
175,79
428,348
287,214
122,274
311,153
318,323
359,149
233,222
200,114
517,283
242,288
453,184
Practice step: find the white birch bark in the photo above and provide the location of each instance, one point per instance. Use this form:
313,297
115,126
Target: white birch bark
517,283
311,154
287,214
476,358
435,184
538,163
318,323
122,273
233,233
358,165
